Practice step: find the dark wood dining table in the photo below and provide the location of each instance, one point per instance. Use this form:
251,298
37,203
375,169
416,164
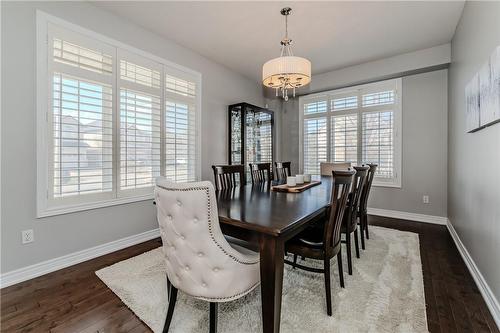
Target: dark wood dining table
268,219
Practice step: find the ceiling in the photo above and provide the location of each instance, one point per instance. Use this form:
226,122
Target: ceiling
244,35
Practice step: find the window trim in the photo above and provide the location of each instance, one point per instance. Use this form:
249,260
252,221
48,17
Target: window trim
395,182
44,207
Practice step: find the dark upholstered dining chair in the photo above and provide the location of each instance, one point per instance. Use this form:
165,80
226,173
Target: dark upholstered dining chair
350,222
225,176
323,241
261,172
363,204
283,170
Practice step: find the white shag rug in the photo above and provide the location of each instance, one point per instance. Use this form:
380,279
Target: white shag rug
384,294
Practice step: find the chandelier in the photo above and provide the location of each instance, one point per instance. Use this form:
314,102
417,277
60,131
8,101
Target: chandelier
287,71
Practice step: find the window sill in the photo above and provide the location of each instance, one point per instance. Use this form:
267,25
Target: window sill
389,185
67,209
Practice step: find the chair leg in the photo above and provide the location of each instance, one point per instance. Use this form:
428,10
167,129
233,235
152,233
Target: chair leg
349,255
213,317
362,232
365,221
328,288
303,258
356,242
171,305
294,261
341,270
169,285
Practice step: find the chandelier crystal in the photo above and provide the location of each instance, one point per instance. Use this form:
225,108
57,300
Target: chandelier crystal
287,71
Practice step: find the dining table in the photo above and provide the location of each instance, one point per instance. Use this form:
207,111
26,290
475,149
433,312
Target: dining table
256,214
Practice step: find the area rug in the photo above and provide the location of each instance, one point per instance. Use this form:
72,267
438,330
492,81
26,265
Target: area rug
384,294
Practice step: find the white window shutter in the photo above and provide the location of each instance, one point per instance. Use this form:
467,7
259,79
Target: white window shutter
361,124
315,144
112,118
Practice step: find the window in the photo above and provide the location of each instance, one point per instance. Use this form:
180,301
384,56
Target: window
359,124
110,120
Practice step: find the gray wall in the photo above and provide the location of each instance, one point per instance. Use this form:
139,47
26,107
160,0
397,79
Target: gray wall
424,164
473,177
60,235
395,66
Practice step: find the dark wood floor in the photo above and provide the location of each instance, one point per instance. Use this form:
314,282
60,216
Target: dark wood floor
75,300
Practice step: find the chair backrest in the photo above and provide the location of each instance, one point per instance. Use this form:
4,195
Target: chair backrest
326,168
225,176
358,184
199,261
283,170
363,203
341,184
261,172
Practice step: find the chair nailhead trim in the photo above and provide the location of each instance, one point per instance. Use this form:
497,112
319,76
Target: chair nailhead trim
207,191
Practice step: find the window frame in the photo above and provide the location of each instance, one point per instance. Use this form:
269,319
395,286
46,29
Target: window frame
358,90
46,205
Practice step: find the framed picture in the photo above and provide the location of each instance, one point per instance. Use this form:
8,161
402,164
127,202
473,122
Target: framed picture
482,95
492,107
472,105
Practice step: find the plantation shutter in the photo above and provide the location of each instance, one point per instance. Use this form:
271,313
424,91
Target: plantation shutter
315,144
344,138
180,126
140,122
110,120
80,118
361,125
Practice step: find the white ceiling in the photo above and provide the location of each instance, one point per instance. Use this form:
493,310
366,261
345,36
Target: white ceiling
244,35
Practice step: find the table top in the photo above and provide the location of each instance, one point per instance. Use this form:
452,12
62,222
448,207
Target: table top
258,208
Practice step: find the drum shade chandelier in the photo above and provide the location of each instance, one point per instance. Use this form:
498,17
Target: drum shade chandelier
287,71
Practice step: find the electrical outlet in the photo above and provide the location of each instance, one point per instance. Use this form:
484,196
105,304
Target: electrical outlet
425,199
27,236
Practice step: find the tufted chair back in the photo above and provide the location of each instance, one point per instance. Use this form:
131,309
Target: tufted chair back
199,260
326,168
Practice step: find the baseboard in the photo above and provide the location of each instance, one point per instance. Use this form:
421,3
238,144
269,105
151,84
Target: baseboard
48,266
408,216
481,283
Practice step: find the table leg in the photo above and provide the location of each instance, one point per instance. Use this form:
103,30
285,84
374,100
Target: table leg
272,252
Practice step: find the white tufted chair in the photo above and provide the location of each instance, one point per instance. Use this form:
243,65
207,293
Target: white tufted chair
199,260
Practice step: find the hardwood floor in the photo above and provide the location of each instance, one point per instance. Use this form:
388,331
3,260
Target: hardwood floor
75,300
454,304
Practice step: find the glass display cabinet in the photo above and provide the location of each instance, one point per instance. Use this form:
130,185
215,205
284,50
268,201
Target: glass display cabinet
251,135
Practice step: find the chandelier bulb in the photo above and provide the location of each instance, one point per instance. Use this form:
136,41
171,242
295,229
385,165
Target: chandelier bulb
287,71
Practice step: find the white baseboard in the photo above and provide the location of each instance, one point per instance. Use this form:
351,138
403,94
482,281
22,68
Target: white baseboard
44,267
408,216
481,283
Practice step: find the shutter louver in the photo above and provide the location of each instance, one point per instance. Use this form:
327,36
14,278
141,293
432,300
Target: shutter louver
82,134
315,107
378,98
378,142
345,103
140,75
180,86
180,141
344,134
315,144
78,56
139,139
